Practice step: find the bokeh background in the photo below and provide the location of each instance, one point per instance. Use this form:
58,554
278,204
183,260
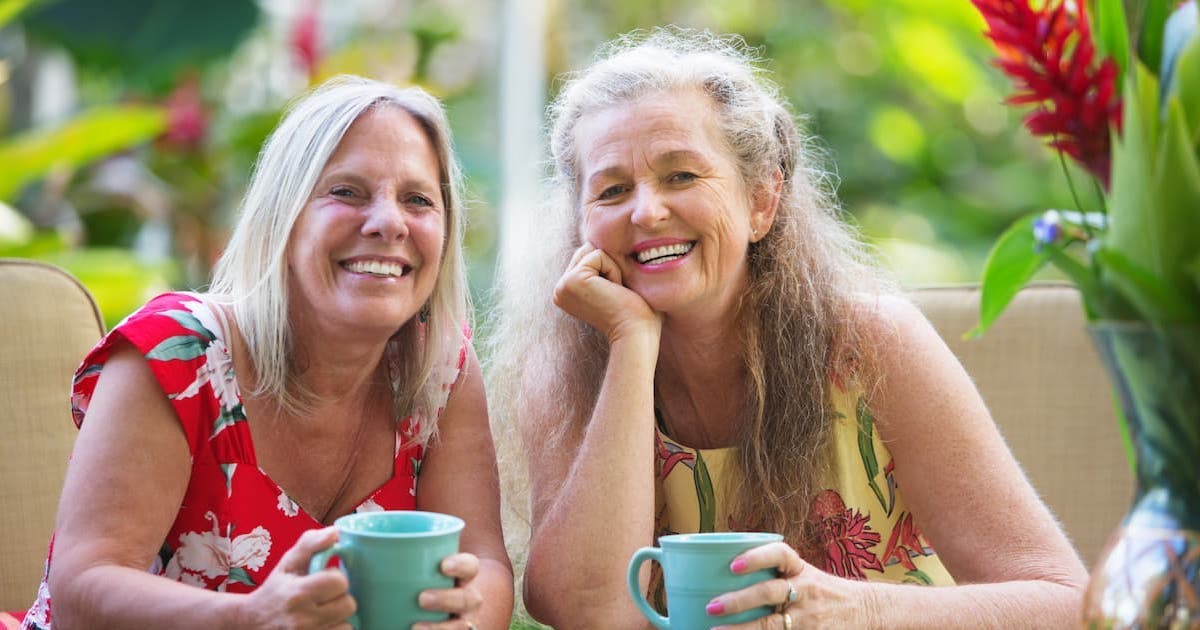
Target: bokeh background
128,128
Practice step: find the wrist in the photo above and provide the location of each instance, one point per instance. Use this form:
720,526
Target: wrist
235,611
641,332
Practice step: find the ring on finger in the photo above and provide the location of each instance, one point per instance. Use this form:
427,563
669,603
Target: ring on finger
787,620
790,597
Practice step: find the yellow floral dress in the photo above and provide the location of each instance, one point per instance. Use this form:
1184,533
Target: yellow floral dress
860,524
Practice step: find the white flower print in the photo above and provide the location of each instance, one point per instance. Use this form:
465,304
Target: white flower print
39,615
217,368
369,506
213,555
287,505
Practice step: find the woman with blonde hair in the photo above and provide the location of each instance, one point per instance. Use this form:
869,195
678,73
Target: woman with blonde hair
721,355
328,371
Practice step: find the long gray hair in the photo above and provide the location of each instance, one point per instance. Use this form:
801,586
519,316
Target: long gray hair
252,273
807,275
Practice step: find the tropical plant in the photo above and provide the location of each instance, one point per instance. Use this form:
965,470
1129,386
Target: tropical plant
1134,256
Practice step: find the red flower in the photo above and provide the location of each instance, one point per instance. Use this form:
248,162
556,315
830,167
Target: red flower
904,543
187,121
669,455
843,535
305,37
1051,58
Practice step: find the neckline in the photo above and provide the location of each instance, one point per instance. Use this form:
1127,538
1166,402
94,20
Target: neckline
660,426
219,316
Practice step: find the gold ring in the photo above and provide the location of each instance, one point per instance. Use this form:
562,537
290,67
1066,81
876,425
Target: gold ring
787,620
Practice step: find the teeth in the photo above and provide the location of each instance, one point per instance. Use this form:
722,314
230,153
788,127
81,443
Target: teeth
668,252
376,268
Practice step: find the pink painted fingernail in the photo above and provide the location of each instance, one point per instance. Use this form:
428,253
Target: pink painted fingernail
715,607
738,565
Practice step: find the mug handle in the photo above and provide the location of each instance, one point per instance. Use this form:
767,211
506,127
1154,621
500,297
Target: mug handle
321,559
635,591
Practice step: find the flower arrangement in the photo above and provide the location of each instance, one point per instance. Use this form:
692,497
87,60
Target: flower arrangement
1126,106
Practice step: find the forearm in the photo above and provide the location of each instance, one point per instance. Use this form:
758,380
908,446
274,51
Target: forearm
604,508
495,584
1024,604
110,596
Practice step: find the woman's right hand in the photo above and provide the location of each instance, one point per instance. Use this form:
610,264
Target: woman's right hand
290,597
591,290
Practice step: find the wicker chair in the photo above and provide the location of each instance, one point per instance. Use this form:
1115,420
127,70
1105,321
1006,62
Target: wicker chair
48,321
1044,384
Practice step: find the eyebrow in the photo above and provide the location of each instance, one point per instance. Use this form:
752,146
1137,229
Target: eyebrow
352,176
667,158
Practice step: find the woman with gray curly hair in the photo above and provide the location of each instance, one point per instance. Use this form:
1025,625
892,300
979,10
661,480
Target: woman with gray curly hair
723,356
327,371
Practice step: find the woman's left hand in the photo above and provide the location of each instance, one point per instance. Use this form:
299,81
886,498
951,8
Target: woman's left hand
462,602
803,595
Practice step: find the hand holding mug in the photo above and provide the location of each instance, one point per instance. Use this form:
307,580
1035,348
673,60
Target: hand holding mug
391,558
697,571
292,598
801,594
464,600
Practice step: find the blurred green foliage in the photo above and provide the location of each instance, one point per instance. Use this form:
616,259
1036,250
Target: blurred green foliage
927,159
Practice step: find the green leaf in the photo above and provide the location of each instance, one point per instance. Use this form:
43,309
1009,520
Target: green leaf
189,321
1112,38
145,42
918,576
182,347
1130,228
1153,298
10,9
95,134
1081,276
705,495
1011,263
866,450
1186,87
238,574
1150,35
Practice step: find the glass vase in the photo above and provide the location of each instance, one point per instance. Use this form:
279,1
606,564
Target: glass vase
1149,573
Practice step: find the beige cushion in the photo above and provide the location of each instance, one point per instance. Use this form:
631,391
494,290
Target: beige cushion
1043,382
48,321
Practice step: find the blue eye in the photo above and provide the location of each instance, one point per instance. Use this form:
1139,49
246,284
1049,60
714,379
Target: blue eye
342,191
683,177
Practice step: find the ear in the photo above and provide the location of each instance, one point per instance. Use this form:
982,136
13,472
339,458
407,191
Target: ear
764,204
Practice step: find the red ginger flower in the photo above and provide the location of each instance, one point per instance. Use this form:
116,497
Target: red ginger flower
842,536
1050,56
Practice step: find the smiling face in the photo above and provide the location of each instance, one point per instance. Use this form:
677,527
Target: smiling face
660,194
364,253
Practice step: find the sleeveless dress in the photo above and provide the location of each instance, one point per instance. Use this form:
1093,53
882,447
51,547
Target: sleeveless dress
859,524
235,522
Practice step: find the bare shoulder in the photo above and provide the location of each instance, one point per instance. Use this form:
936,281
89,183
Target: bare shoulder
911,364
889,318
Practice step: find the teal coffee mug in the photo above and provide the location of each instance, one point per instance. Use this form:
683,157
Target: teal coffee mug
695,570
389,558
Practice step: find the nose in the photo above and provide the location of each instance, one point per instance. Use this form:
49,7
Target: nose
385,219
649,208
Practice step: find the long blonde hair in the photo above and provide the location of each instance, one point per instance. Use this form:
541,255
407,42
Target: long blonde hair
252,273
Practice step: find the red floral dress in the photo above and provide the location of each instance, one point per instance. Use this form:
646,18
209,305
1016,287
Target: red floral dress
235,522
